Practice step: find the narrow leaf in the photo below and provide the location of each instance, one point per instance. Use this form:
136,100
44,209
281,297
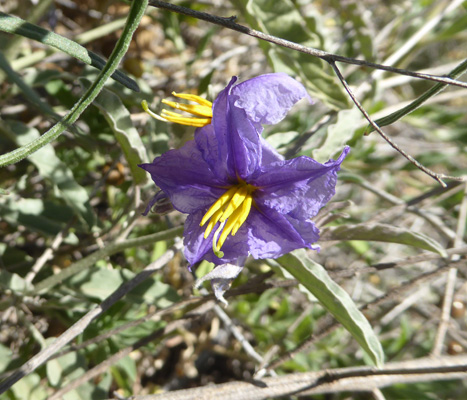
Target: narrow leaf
382,233
18,26
396,115
118,117
134,17
335,299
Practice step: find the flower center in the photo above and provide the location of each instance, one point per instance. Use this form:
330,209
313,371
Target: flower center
231,210
202,110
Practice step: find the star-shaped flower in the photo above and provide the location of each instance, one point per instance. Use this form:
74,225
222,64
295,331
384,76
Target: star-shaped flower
242,198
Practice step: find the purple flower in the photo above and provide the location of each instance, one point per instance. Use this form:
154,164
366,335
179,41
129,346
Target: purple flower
242,198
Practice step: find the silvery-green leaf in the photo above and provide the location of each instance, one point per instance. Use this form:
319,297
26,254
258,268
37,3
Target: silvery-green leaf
54,169
335,299
382,233
118,117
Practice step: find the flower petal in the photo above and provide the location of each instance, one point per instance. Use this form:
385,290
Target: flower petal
298,187
269,153
186,178
161,202
267,98
271,234
239,147
197,248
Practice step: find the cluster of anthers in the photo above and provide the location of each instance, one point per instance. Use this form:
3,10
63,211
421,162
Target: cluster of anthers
202,110
231,210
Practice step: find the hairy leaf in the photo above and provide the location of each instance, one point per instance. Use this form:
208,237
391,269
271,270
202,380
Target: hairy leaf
382,233
335,299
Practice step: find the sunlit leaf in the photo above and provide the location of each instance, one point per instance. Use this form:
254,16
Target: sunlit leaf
335,299
382,233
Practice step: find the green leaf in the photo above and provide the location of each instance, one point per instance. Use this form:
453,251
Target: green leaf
382,233
29,388
38,215
13,282
335,299
99,283
64,369
52,168
18,26
134,17
338,134
118,117
396,115
282,19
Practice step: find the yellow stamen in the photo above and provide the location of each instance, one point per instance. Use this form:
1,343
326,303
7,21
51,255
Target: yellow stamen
203,109
221,201
229,226
197,122
194,98
231,211
235,203
246,207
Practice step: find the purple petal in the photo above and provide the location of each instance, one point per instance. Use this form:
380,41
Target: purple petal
271,234
267,98
197,248
269,153
298,187
162,203
186,178
238,145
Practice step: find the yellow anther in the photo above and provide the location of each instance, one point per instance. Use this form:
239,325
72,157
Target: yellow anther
203,109
228,227
246,207
236,202
194,98
231,211
221,201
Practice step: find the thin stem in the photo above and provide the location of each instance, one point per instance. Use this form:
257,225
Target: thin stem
352,380
434,175
108,250
451,281
329,57
134,17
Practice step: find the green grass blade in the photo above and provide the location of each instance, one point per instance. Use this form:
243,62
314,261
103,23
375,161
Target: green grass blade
134,17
